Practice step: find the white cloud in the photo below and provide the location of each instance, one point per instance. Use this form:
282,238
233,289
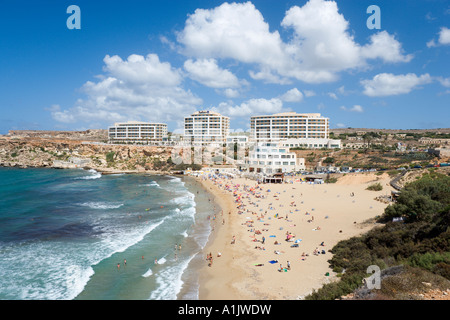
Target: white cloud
208,73
320,47
355,108
251,107
139,88
233,30
444,38
138,69
332,95
231,93
431,43
293,95
309,93
444,81
387,84
386,47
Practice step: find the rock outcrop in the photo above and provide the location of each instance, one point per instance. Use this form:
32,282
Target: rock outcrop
67,153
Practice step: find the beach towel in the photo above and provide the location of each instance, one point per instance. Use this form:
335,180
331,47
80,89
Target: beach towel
273,261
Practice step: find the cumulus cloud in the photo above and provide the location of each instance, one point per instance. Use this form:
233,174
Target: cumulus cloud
385,47
233,30
138,88
208,73
387,84
320,47
444,36
443,39
444,81
251,107
293,95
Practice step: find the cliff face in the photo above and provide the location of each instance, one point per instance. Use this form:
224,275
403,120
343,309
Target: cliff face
66,153
91,134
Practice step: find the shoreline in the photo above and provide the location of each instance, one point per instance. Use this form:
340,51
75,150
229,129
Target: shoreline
213,286
241,272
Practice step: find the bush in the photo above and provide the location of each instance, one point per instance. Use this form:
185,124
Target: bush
375,187
429,260
422,243
110,157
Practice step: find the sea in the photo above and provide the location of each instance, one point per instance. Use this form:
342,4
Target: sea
74,234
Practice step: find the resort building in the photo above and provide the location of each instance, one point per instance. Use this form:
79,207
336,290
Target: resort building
240,140
279,126
310,143
271,158
206,127
137,132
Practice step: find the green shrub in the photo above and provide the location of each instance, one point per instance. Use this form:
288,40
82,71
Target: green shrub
429,260
375,187
422,243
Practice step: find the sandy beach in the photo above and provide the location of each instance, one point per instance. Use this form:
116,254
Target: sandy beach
271,241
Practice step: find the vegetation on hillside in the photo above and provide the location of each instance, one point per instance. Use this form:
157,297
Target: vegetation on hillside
420,241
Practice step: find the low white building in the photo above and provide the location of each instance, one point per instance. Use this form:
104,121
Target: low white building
271,158
137,132
240,140
312,143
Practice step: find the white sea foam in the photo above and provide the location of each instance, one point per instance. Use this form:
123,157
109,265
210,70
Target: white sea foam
101,205
94,175
169,281
65,271
118,239
148,273
151,184
185,199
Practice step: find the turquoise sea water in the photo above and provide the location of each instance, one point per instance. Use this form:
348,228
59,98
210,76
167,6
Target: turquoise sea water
64,232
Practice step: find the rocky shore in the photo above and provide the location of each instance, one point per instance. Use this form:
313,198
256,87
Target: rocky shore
26,151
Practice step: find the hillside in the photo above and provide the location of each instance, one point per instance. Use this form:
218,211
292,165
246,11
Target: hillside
70,153
411,248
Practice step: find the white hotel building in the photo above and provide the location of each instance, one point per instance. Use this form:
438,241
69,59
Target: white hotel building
137,132
273,128
270,158
206,127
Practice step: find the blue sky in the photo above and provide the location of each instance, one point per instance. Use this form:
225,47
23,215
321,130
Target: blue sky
162,60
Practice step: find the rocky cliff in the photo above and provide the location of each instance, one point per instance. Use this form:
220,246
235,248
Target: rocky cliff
67,153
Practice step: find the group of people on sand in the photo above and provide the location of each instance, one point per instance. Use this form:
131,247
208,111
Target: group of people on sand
209,258
281,269
250,193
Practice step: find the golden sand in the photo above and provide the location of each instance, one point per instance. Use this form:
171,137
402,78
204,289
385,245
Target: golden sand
315,216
